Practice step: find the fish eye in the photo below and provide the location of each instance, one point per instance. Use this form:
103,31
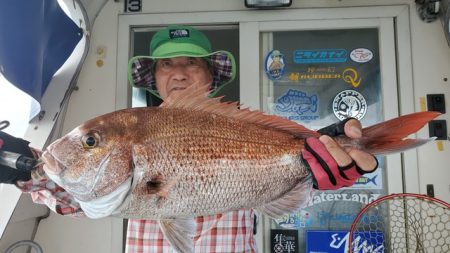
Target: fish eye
90,140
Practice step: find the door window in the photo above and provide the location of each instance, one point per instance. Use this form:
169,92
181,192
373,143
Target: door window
316,78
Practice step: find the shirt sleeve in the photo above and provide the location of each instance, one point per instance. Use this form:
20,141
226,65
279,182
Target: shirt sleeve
45,191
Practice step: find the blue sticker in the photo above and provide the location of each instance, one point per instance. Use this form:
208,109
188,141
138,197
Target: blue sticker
373,181
296,220
274,65
366,180
297,105
327,241
320,56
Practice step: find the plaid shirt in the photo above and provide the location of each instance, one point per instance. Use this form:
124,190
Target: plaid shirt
46,192
229,232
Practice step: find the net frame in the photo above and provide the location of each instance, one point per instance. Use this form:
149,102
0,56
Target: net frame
359,222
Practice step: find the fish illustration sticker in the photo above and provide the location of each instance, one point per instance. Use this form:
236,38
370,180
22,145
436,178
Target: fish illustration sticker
297,101
349,103
274,65
370,181
295,220
297,105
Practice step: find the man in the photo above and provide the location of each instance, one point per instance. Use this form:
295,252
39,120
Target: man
181,57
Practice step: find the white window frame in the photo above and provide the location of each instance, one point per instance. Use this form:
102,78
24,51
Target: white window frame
397,76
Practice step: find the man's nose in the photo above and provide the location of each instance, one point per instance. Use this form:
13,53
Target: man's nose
179,72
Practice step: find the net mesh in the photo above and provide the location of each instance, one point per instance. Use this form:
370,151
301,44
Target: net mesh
402,223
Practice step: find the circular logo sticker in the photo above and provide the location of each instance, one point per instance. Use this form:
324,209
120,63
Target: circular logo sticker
361,55
349,103
274,65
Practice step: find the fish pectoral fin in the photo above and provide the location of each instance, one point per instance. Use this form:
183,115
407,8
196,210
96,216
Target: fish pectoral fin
164,192
290,202
180,233
159,186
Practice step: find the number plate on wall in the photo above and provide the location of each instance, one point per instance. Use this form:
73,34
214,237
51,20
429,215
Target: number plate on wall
133,5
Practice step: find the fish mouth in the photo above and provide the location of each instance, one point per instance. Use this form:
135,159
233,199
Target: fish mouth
55,170
281,106
51,164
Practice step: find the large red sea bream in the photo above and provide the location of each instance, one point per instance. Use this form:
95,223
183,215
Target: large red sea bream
196,156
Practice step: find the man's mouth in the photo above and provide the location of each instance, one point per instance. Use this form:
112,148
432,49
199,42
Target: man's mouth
178,88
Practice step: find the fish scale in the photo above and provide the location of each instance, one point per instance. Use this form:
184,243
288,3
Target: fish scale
211,168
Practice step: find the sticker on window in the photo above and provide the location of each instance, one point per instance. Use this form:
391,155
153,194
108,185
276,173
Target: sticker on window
349,103
274,65
361,55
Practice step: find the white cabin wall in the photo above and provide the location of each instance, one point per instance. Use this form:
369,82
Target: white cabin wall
96,85
97,95
17,231
22,223
431,64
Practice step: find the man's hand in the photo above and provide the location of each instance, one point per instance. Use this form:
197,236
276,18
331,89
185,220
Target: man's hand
12,144
333,166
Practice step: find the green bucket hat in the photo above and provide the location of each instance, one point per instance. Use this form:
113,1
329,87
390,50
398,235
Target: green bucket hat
175,41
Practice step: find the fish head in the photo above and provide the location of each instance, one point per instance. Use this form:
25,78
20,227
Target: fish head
93,159
284,102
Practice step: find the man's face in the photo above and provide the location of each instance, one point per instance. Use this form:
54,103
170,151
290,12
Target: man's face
176,74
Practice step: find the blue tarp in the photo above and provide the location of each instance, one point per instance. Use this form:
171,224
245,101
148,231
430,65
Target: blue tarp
36,38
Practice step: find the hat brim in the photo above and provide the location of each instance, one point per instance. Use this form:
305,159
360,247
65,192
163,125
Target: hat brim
140,70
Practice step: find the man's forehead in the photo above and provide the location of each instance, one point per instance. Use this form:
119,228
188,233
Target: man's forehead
180,58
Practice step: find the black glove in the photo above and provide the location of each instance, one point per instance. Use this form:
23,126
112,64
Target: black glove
335,129
12,144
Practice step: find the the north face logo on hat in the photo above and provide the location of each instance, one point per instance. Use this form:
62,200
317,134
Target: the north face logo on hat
179,33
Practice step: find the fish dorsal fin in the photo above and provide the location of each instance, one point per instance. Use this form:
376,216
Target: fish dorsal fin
180,233
290,202
196,99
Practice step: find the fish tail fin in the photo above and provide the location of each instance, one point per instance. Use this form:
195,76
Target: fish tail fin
373,180
313,103
389,136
